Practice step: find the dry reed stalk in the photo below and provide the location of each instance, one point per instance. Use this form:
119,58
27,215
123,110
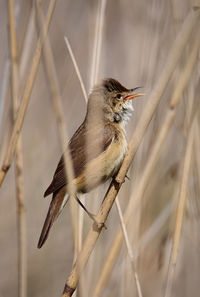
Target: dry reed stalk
175,53
28,45
139,246
82,284
21,215
91,240
81,213
155,227
53,83
191,121
133,202
180,210
94,233
97,47
196,148
76,68
129,248
25,99
97,42
3,92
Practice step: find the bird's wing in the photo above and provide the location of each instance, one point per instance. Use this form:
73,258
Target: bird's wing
78,149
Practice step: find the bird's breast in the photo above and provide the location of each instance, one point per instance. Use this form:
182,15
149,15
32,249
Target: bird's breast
115,154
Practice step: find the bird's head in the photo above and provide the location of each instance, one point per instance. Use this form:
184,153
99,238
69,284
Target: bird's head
116,100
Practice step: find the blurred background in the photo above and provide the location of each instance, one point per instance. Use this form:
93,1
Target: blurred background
137,37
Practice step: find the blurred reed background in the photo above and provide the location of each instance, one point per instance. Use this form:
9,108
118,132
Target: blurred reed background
160,203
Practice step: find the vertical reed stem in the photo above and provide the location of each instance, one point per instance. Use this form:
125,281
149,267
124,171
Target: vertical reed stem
25,99
21,215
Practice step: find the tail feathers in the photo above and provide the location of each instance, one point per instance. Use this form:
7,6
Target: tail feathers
45,230
58,202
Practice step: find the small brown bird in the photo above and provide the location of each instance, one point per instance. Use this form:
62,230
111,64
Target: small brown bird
97,148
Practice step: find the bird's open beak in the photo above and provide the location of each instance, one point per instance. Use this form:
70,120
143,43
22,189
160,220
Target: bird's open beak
130,97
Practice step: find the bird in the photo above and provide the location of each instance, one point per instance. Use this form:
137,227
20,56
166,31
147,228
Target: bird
97,148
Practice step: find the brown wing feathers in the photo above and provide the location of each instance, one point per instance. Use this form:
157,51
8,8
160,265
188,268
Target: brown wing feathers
76,147
79,157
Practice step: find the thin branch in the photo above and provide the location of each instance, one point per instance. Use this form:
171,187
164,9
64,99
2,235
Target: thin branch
128,246
25,99
76,69
115,186
21,215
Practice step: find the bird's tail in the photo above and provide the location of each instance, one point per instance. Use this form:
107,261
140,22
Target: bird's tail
57,203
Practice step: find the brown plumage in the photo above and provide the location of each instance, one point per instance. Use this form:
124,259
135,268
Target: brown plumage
78,151
97,148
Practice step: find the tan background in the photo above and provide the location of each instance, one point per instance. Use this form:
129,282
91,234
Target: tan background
138,36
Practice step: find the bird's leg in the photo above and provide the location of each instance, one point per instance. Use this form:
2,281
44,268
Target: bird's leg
89,213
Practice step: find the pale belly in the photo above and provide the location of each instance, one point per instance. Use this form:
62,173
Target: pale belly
103,167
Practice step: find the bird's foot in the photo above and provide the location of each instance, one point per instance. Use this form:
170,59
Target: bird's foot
126,176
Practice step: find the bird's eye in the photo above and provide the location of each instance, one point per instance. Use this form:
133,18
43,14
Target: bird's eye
118,96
